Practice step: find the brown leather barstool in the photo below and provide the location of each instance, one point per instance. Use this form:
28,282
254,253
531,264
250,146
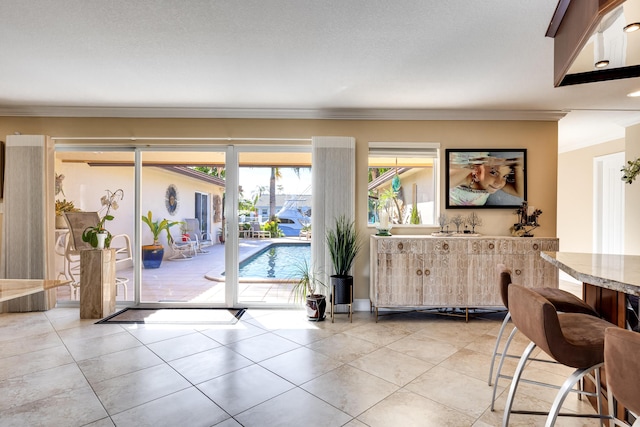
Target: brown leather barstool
572,339
563,301
622,366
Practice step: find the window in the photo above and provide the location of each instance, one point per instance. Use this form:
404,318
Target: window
403,183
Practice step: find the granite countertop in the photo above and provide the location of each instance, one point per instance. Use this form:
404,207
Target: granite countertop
14,288
617,272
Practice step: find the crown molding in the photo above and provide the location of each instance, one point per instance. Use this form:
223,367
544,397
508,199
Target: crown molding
308,114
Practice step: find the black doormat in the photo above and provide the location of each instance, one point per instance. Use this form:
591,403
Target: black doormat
206,316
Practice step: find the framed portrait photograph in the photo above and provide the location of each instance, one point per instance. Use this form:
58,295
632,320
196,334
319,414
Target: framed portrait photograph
489,179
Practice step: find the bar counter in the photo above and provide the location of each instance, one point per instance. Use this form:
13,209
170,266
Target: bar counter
611,285
619,273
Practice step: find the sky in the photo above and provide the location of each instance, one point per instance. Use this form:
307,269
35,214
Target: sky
251,178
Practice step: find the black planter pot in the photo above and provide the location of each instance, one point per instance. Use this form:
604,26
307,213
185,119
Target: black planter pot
152,256
316,307
342,289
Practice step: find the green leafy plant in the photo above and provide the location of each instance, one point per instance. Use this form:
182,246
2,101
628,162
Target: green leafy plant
631,171
344,244
273,228
388,196
308,283
158,226
109,202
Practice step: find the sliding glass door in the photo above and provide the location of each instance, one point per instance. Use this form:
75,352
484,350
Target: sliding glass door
197,225
182,240
84,176
273,222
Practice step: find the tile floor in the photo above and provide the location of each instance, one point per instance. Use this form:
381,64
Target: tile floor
274,368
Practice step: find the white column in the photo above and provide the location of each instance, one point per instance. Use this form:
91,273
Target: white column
334,182
28,222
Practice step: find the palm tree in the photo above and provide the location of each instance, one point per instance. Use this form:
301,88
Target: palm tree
257,193
275,174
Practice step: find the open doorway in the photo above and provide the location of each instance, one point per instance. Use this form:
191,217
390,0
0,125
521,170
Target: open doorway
608,229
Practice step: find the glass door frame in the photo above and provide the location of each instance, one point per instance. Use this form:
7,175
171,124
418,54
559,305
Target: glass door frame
232,252
207,147
60,147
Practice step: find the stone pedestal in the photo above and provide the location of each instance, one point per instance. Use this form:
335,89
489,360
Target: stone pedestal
97,283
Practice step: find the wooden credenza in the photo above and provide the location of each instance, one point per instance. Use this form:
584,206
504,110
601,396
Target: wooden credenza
454,272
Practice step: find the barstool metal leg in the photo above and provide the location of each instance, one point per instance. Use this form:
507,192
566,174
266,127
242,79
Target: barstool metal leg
495,348
514,383
503,356
568,385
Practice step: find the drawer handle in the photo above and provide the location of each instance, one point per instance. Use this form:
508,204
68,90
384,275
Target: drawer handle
400,246
491,246
419,272
445,246
535,246
518,272
427,272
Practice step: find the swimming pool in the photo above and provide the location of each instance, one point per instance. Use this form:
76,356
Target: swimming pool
276,261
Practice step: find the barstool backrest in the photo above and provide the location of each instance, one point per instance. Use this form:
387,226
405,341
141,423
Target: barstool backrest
504,280
621,350
535,317
572,339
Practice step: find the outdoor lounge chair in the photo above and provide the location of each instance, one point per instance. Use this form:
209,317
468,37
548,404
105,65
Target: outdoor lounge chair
258,233
194,232
182,249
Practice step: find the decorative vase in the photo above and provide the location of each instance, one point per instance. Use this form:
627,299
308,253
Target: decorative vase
152,256
60,222
101,239
316,307
341,289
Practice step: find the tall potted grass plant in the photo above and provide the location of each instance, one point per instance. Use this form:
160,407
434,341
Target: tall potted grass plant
344,244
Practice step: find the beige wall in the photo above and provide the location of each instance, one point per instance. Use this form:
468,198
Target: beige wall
632,195
575,195
539,138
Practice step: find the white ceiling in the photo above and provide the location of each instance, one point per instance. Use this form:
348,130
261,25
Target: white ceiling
298,58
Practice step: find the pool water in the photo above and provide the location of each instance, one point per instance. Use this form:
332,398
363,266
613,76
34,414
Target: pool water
276,261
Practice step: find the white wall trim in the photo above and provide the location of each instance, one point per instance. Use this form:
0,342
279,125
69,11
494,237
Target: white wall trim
283,113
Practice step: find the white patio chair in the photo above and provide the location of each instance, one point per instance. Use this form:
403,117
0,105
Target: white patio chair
258,233
183,249
195,234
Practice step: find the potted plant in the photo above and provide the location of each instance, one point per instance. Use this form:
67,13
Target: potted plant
97,235
152,254
344,244
61,207
306,290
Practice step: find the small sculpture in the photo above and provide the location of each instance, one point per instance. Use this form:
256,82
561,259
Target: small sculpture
443,221
474,221
527,220
458,221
